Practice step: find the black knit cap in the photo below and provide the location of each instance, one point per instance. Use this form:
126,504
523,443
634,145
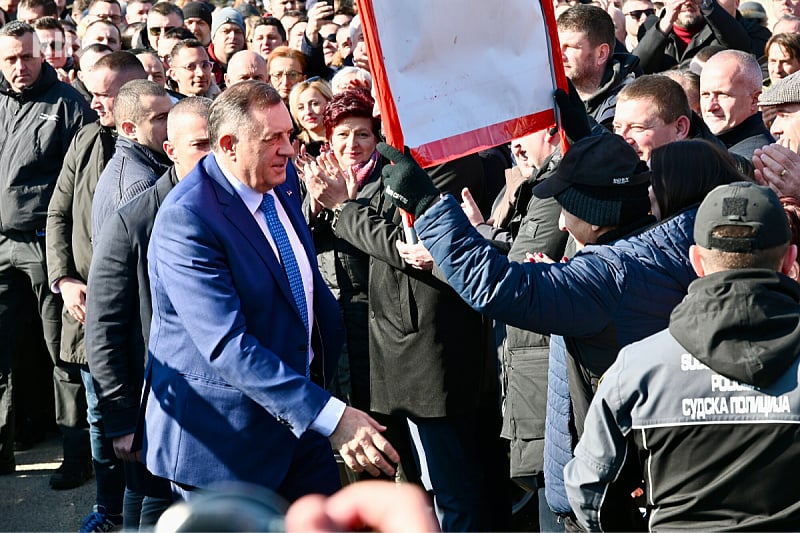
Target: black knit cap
197,10
600,180
742,204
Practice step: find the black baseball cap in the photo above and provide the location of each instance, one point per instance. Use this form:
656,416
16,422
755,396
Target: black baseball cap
743,204
600,180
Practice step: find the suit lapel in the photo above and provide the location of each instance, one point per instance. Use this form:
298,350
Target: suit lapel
241,219
292,207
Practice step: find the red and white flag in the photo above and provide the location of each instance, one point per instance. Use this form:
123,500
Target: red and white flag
454,77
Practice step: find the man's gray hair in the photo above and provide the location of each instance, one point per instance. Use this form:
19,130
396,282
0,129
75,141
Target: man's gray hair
127,106
230,112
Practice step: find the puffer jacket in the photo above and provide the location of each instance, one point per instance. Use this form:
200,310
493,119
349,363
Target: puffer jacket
632,285
133,169
636,282
38,126
558,434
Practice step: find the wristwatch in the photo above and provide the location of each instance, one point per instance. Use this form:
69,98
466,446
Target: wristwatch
335,212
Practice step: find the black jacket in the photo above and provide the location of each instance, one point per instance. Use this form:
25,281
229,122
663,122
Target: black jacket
620,70
346,271
759,35
712,407
69,222
745,138
428,349
118,307
659,52
38,126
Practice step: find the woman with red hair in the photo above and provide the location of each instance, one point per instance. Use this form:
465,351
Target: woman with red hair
349,167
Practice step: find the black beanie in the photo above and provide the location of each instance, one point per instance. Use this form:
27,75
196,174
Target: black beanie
197,10
617,206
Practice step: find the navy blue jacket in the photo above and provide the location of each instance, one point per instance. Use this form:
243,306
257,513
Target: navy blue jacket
632,285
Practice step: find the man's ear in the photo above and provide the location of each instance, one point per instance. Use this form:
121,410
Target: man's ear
128,129
682,127
696,259
227,79
754,103
789,263
602,54
169,149
227,143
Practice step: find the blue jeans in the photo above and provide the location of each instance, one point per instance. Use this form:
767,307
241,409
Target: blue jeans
109,475
141,512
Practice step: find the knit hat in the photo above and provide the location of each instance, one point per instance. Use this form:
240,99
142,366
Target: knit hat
783,91
197,10
226,15
600,180
742,204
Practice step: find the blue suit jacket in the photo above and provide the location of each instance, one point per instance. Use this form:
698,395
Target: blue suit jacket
228,397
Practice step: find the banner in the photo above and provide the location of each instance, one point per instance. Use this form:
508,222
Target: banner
453,77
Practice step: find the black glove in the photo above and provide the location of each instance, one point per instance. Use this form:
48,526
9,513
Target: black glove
574,119
407,185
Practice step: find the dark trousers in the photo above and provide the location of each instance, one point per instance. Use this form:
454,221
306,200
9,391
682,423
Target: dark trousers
466,462
146,497
22,256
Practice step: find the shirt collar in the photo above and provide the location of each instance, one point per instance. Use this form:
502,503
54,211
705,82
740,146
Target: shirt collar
251,198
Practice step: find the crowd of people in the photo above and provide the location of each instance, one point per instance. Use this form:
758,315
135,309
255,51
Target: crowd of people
203,255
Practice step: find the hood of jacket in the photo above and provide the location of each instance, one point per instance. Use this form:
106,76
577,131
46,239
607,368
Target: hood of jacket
46,79
743,324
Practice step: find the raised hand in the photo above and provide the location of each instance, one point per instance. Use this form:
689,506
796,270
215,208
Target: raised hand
408,186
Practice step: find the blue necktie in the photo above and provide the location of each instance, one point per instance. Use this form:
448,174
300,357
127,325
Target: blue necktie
287,257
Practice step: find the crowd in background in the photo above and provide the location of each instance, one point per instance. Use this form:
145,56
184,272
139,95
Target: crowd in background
477,351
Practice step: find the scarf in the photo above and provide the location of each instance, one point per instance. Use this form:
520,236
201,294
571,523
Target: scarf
364,170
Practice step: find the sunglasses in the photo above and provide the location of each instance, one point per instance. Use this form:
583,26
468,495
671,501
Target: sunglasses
637,13
156,31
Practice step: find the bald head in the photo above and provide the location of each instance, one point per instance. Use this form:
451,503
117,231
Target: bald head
729,88
187,133
246,65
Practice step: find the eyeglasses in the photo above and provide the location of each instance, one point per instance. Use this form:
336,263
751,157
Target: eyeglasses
155,31
292,76
331,37
637,13
191,67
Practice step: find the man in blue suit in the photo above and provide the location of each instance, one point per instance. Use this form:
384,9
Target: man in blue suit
236,374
